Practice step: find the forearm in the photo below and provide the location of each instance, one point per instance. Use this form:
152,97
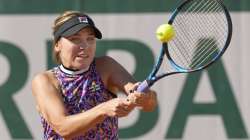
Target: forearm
75,125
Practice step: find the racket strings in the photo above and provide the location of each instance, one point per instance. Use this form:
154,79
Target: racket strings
205,20
204,54
179,53
199,21
185,54
199,60
194,7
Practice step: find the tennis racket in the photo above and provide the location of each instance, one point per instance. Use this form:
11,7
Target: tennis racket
203,30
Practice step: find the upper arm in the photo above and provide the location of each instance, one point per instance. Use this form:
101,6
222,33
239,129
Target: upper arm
116,76
48,99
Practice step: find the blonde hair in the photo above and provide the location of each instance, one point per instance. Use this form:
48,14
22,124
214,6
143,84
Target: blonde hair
57,23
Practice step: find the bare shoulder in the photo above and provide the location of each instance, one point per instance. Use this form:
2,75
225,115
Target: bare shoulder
44,79
105,60
110,66
106,65
103,65
114,75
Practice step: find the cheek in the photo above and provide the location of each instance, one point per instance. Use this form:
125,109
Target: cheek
93,50
67,52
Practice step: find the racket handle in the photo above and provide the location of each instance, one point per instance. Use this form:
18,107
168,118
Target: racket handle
143,86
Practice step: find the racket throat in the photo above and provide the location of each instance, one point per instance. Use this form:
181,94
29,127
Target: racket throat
150,82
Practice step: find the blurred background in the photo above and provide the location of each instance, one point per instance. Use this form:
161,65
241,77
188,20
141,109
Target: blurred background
209,105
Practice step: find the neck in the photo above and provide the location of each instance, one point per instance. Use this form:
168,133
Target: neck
71,71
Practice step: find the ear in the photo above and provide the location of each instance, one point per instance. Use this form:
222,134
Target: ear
57,46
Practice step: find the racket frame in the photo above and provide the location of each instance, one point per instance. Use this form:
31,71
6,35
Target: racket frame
152,78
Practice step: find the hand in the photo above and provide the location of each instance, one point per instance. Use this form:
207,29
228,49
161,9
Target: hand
147,100
119,107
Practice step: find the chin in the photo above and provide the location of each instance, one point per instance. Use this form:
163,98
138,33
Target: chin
82,64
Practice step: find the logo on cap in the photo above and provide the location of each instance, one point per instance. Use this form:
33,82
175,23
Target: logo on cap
83,19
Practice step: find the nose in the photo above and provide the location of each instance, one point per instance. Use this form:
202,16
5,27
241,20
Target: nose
83,45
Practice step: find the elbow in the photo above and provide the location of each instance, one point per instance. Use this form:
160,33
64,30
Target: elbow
62,129
65,133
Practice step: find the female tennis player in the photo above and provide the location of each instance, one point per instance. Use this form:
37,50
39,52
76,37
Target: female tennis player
77,99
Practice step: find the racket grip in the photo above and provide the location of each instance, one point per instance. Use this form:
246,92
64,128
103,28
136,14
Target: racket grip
143,86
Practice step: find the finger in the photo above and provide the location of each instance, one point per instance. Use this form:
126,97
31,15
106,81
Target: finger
123,111
130,98
131,91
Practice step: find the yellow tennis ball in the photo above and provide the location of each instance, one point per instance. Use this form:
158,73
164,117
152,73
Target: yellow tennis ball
165,32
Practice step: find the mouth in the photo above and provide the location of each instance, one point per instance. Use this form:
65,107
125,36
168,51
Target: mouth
82,56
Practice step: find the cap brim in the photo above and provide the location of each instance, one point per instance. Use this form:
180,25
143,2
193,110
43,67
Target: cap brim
73,30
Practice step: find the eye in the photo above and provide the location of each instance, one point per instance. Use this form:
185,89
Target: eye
75,40
91,39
